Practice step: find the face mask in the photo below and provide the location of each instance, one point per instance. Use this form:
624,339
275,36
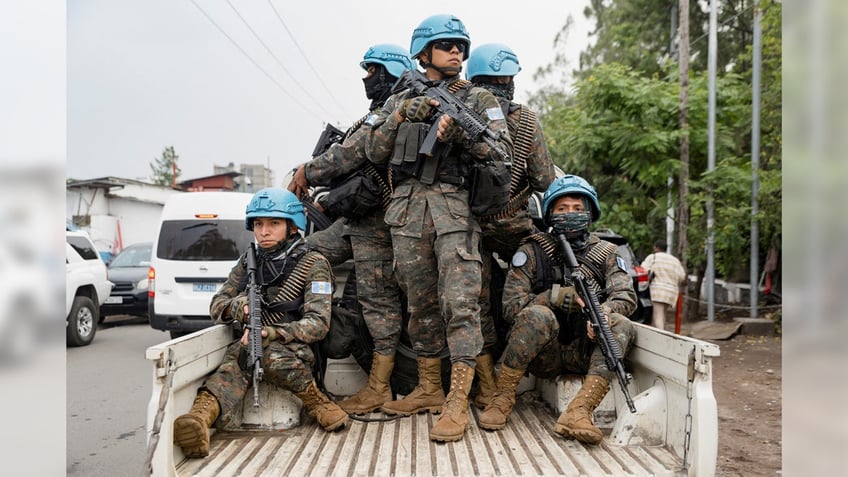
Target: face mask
574,225
377,84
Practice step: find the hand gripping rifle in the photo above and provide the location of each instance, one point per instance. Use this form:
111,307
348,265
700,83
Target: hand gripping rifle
592,308
474,126
255,325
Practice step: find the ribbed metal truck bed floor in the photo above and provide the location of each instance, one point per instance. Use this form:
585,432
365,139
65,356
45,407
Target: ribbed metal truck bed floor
402,447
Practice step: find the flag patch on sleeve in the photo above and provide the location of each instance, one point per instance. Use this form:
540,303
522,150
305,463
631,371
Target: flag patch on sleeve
621,264
322,288
494,113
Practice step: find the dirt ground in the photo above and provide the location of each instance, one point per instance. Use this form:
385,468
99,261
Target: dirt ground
747,387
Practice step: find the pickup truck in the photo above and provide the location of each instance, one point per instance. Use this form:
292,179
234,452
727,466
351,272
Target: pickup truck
674,431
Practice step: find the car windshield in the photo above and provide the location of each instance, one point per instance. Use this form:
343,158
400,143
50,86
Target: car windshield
132,257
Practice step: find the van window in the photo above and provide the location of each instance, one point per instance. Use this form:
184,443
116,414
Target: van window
210,240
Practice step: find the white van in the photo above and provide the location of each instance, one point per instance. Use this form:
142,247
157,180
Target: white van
201,236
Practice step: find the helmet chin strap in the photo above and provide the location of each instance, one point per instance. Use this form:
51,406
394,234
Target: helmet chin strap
446,71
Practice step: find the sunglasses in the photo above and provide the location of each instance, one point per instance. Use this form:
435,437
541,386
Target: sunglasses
448,45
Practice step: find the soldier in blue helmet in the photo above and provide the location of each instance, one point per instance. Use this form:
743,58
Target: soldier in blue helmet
285,269
493,66
548,334
435,237
364,237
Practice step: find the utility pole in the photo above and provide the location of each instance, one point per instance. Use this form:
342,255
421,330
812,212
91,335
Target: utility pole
755,157
683,121
712,60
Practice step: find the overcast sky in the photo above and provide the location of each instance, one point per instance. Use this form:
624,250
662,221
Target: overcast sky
144,75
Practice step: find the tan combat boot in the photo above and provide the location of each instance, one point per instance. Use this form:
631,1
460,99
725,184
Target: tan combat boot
496,414
577,420
191,431
485,371
376,392
328,414
454,419
427,395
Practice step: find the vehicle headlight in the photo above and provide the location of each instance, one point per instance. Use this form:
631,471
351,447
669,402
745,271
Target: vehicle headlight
142,284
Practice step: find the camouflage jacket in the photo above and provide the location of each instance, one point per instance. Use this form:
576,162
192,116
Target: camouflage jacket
315,311
617,296
341,158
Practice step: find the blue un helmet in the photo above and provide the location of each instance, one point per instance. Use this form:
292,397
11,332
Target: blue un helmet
273,202
438,27
393,57
492,59
569,185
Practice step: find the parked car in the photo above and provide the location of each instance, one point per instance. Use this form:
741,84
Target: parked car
128,271
86,288
644,308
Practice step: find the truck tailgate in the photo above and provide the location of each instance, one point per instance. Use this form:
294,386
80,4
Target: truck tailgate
527,446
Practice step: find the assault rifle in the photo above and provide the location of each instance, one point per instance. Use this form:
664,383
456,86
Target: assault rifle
474,126
592,308
255,325
329,136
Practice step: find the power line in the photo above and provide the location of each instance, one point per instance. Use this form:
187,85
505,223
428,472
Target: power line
256,35
320,80
255,63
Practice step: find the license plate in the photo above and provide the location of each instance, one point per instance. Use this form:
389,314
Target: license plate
203,287
114,300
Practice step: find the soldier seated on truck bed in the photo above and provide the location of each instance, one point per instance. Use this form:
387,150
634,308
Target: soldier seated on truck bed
548,335
296,293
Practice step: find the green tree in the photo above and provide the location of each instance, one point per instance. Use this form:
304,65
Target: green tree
164,169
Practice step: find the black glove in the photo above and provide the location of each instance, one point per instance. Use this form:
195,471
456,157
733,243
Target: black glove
415,109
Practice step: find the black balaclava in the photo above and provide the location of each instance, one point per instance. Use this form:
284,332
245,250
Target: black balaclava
378,86
500,90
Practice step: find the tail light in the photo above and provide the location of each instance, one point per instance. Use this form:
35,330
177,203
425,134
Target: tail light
151,282
641,278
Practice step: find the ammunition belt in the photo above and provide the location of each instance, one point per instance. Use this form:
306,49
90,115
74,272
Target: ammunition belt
522,133
291,290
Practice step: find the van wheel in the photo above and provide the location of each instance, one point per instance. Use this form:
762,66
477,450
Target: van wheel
82,322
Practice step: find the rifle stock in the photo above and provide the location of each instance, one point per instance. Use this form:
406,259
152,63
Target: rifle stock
255,356
592,308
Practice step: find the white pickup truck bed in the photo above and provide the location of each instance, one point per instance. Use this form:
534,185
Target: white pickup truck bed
671,388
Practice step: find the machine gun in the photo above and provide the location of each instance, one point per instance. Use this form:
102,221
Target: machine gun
474,126
592,308
255,355
329,136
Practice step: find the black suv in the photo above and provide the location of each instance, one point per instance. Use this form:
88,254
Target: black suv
644,308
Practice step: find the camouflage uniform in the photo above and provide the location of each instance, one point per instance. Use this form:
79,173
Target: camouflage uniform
435,238
288,361
503,232
549,342
366,240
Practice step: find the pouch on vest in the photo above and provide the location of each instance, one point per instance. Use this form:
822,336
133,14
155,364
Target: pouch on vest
489,191
356,196
405,154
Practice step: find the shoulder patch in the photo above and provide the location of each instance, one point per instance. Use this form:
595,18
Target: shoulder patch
322,288
495,113
519,259
621,264
371,119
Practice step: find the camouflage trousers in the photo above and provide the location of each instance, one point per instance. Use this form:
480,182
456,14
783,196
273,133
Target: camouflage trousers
369,244
501,236
533,345
440,275
287,365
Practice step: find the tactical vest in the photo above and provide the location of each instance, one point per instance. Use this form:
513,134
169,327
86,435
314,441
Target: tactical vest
549,270
406,162
282,299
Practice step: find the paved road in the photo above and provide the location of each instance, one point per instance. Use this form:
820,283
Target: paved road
107,393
